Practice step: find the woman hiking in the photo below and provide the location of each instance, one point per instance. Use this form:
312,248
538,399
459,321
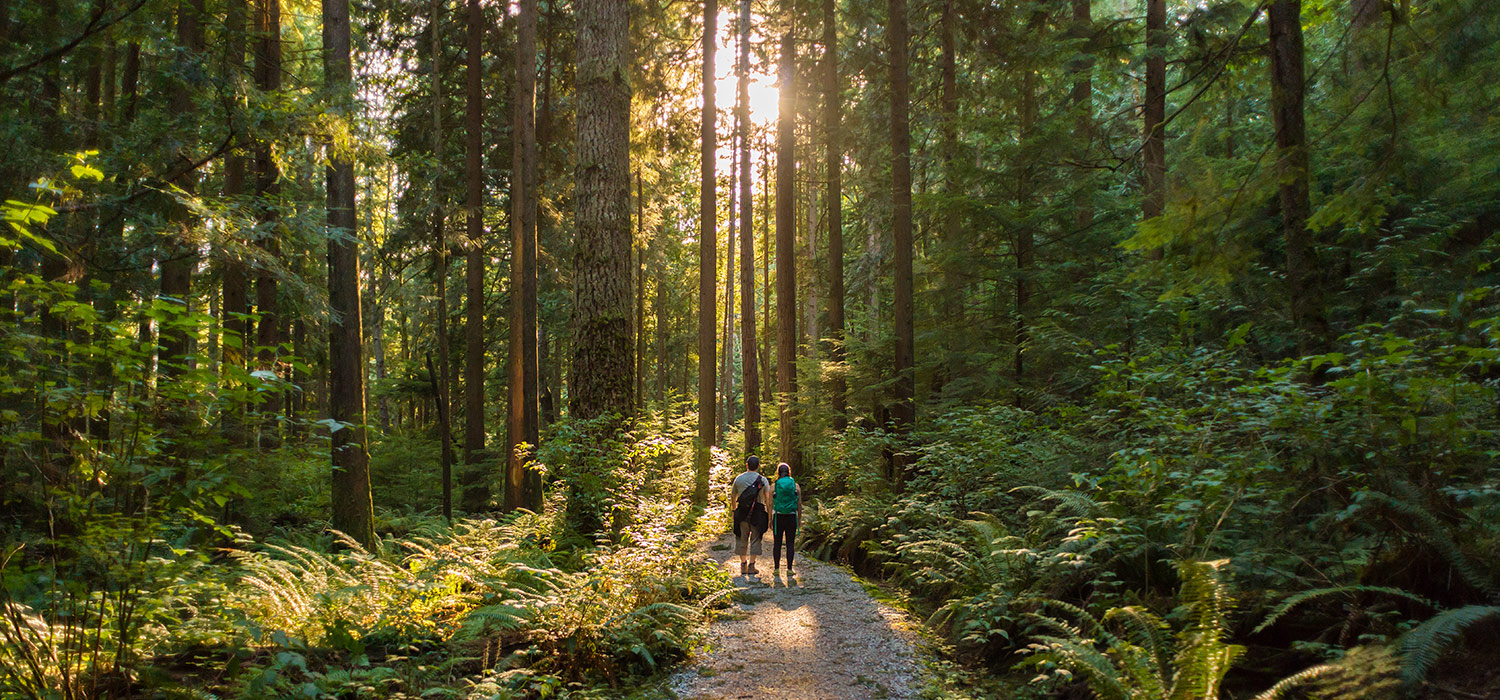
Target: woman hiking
751,498
786,507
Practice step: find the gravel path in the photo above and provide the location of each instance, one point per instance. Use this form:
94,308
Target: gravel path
815,635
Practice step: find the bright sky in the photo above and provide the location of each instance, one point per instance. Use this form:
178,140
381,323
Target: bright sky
763,92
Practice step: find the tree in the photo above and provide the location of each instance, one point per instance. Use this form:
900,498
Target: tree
442,379
474,499
523,488
786,232
1287,93
1154,146
268,71
749,366
708,213
834,165
903,412
353,511
603,358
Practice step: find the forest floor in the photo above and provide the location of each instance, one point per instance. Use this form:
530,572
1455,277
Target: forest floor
814,634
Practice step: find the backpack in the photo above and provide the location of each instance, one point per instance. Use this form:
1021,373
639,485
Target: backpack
784,496
750,495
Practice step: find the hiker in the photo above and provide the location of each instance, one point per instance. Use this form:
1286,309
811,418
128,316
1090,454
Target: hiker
786,508
751,496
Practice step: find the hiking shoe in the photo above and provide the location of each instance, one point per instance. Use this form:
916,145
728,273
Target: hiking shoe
752,568
742,568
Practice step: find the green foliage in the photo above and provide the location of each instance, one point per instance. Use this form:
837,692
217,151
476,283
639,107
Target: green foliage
1422,647
1138,660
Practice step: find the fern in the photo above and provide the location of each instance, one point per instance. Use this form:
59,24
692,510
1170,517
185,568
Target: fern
1423,647
1295,680
1351,591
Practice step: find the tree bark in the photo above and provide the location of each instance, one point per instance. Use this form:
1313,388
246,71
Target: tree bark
708,214
1082,94
786,256
749,364
640,293
832,104
1287,93
523,489
1154,148
353,512
474,498
903,410
235,307
182,255
951,297
443,378
726,383
268,186
603,356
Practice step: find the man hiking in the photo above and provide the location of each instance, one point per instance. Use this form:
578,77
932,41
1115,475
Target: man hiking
750,496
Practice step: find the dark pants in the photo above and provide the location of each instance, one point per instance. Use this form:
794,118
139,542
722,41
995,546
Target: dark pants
786,526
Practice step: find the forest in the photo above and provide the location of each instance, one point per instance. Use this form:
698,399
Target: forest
1124,349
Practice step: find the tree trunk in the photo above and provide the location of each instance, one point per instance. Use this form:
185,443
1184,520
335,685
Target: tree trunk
1154,149
786,225
181,256
235,307
903,410
268,185
749,364
523,489
640,293
1287,93
443,378
767,396
353,512
708,214
474,499
663,318
953,250
726,384
1082,95
832,104
602,351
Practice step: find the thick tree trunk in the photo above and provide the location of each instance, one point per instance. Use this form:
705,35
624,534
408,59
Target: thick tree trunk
832,104
1287,93
353,513
708,214
786,257
523,488
750,366
903,410
268,185
603,356
1154,149
475,499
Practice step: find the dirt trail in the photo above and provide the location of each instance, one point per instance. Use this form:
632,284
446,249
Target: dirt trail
814,635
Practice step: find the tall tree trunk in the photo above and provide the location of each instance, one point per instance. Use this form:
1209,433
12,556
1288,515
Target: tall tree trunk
475,500
903,411
726,384
353,512
749,364
640,293
1025,243
767,394
1287,93
832,104
602,351
442,376
1154,150
182,255
663,318
235,306
523,488
786,225
708,214
951,295
268,184
1082,94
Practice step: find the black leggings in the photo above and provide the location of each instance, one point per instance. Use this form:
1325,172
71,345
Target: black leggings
786,526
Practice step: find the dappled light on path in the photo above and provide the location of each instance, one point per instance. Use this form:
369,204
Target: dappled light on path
812,635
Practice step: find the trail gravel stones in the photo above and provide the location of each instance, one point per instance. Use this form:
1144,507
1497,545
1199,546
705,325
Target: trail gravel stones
812,635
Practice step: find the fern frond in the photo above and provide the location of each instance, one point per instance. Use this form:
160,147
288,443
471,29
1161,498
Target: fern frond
1306,596
1296,679
1423,647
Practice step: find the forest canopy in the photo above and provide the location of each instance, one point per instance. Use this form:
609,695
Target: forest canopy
1139,348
